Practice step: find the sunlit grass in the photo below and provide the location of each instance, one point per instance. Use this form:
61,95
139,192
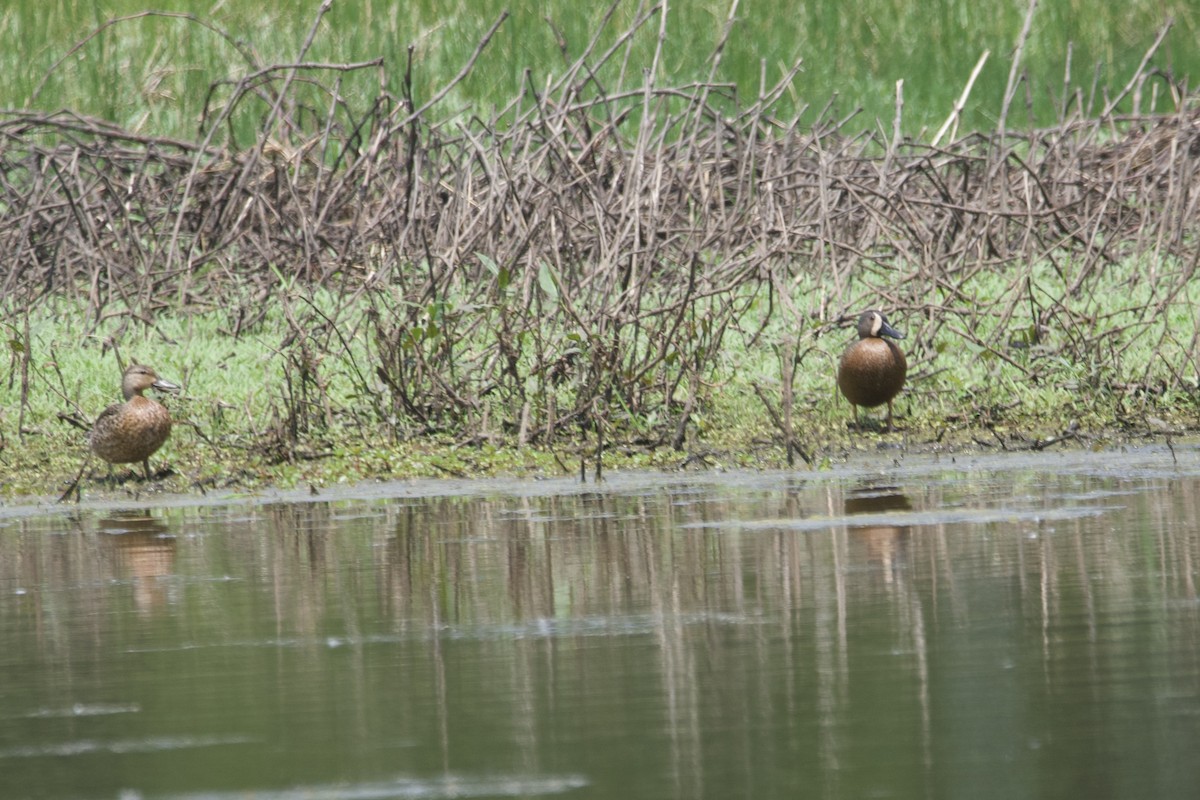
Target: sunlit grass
152,74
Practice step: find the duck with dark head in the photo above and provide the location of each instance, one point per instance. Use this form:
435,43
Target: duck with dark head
872,370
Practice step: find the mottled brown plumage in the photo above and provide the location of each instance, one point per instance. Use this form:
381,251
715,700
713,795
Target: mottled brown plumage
132,431
872,370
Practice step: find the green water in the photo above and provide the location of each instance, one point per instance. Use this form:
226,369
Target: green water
1023,627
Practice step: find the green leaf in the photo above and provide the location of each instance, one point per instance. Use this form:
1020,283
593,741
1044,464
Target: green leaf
489,263
547,282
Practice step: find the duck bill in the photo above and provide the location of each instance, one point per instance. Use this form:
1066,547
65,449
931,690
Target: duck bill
165,386
888,330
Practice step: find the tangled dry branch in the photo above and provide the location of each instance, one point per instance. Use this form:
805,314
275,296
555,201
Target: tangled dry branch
611,234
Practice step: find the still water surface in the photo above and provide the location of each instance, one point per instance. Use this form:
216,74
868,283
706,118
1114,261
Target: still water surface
971,628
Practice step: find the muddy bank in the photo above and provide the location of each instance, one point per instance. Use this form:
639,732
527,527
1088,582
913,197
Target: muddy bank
887,464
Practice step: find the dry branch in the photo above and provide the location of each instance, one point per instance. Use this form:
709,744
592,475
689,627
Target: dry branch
595,238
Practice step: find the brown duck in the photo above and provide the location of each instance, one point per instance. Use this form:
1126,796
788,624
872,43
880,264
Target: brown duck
128,432
872,370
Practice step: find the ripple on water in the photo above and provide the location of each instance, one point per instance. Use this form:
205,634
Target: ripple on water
447,786
83,710
79,747
911,519
536,628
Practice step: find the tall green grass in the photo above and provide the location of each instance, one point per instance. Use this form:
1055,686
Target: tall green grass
152,73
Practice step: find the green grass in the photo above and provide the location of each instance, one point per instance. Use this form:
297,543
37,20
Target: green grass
1125,366
1110,358
152,74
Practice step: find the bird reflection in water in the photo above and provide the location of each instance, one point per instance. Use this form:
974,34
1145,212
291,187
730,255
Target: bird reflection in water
885,540
145,552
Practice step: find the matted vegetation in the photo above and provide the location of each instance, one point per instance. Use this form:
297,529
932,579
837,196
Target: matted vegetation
639,262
